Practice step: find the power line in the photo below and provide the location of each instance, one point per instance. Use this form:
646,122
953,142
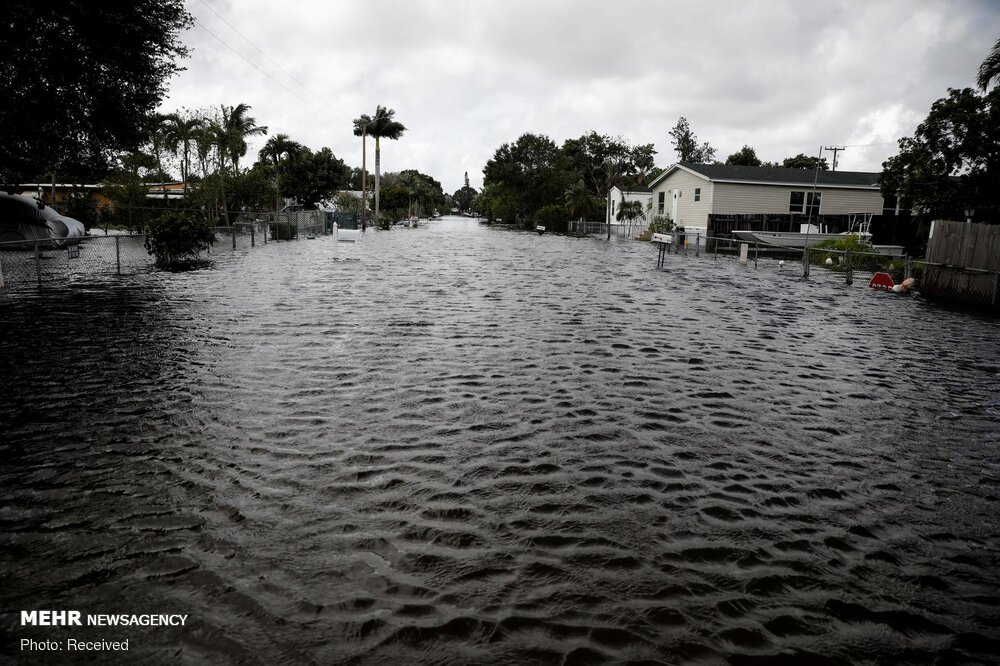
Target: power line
255,66
269,58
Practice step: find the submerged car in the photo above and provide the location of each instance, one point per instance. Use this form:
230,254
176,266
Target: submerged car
28,219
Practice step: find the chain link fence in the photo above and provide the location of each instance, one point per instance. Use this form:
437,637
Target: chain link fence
970,286
35,263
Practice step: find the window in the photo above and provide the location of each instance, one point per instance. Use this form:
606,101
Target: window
659,204
805,202
697,194
813,202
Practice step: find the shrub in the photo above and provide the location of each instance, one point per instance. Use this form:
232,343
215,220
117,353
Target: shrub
175,237
661,224
552,217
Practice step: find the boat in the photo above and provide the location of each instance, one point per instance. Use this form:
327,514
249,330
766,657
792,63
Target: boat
29,219
808,234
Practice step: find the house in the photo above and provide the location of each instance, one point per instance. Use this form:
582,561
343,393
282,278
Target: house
715,199
616,196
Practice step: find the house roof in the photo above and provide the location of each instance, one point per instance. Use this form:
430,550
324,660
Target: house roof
634,189
728,173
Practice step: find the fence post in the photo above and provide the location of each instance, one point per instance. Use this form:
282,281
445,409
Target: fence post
849,273
38,264
805,262
253,236
233,227
716,249
118,255
697,245
755,252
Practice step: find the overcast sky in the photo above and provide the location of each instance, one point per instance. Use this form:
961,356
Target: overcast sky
465,76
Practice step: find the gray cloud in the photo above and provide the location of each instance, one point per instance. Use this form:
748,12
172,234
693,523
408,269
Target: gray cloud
780,75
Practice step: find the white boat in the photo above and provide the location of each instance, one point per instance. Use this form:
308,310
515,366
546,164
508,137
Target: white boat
808,234
794,239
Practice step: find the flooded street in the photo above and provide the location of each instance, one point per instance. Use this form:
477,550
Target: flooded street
458,444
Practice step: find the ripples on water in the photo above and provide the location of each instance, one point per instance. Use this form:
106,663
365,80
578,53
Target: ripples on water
464,445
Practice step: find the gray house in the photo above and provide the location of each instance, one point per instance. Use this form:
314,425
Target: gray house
714,199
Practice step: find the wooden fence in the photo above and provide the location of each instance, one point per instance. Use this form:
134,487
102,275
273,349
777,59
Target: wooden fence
963,263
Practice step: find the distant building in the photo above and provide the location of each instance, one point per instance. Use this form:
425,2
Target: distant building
618,195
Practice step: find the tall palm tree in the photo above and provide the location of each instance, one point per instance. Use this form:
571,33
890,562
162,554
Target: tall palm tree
180,134
383,126
274,148
236,127
990,69
361,124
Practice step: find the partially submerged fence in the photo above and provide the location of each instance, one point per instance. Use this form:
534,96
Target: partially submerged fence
978,287
36,262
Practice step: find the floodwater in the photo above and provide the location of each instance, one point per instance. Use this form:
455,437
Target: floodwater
459,445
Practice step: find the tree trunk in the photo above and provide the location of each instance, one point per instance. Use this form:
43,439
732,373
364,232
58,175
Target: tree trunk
377,160
364,179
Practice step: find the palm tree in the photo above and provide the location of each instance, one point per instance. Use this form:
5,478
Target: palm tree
274,148
990,69
180,134
579,200
236,127
159,141
630,211
361,124
382,126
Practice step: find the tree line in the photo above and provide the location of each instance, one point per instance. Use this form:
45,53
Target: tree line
80,93
535,181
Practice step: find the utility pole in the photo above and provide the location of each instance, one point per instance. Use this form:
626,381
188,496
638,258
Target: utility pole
835,149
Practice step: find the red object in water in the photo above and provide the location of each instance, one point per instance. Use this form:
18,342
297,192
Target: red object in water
881,281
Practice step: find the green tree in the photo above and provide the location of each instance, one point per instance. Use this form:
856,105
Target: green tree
629,211
274,150
236,126
79,79
463,197
803,161
396,198
311,178
745,156
604,161
990,68
952,162
382,126
180,130
686,144
579,200
524,176
126,188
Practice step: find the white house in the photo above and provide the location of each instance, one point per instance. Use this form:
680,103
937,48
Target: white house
616,196
713,199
